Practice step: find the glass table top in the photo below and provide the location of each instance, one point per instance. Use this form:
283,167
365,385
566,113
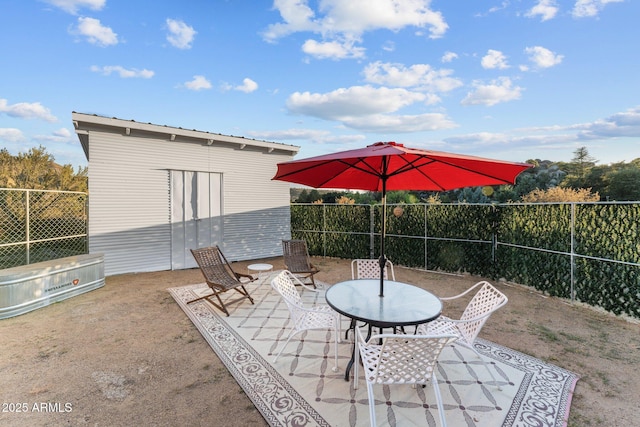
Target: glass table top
402,304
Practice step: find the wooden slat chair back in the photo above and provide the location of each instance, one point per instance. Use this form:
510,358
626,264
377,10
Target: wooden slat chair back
297,260
220,277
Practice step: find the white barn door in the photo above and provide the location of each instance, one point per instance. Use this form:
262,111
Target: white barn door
196,214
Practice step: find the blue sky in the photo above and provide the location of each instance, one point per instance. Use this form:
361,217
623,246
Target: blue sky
511,80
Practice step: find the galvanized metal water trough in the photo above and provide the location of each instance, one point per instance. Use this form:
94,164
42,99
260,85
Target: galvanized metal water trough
29,287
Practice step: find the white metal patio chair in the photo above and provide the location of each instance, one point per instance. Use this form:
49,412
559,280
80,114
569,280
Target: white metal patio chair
370,269
485,301
400,359
362,268
305,318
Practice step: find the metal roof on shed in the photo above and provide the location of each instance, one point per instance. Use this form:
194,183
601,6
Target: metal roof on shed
83,123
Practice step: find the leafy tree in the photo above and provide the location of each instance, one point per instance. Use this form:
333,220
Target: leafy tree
579,168
309,196
344,200
559,194
37,170
473,195
48,210
396,197
624,184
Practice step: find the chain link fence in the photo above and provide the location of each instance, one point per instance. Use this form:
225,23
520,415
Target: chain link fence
41,225
587,252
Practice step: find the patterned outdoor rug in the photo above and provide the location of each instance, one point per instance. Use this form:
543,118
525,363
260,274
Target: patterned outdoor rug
302,390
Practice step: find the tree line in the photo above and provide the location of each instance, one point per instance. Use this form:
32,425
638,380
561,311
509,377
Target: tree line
580,180
37,170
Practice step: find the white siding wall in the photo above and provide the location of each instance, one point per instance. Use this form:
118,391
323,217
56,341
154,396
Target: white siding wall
129,213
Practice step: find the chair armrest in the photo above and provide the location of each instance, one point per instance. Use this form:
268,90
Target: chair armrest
299,282
464,293
246,276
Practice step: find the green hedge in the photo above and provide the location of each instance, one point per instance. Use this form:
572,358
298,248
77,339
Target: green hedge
530,244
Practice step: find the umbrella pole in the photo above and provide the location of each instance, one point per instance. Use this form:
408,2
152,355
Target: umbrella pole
383,259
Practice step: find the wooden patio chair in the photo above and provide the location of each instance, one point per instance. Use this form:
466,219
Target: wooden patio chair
220,277
297,261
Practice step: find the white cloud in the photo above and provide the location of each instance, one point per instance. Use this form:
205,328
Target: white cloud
419,76
389,123
313,135
543,57
480,138
62,133
494,59
11,135
527,140
25,110
500,90
546,9
449,56
123,72
389,46
332,49
72,6
626,124
180,34
353,101
297,16
339,20
368,109
589,8
95,32
198,83
247,86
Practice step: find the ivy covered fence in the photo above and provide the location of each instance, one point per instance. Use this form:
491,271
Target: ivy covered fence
588,252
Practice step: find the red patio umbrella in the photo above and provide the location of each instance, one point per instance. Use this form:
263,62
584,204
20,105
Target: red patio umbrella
388,166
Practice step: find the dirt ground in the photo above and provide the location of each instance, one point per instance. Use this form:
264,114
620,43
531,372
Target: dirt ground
126,355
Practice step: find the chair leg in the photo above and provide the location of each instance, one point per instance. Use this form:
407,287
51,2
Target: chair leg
372,404
356,364
245,293
291,335
336,334
220,306
436,391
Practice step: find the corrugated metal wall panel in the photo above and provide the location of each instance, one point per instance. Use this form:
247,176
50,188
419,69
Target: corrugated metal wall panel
256,234
129,201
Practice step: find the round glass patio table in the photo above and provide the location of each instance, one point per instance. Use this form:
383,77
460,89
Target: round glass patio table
402,304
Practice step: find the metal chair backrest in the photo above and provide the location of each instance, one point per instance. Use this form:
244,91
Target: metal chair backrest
370,269
404,359
487,300
283,284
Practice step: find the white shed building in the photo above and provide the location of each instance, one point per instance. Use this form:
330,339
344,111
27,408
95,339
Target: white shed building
157,191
